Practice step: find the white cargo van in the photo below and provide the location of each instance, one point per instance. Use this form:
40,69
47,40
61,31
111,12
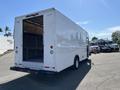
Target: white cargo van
48,41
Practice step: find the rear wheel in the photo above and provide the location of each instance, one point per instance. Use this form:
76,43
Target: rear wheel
76,63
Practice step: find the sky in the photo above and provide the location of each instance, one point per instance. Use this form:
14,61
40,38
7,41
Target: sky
99,17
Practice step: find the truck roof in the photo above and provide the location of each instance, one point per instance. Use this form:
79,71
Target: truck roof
45,10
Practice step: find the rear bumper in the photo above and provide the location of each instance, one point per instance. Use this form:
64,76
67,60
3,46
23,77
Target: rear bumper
28,70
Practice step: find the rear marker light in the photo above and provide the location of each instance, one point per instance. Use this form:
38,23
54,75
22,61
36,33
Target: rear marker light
16,51
51,47
51,51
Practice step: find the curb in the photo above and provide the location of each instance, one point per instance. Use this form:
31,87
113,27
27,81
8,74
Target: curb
8,51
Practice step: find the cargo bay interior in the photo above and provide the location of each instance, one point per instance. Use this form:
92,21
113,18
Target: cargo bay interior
33,39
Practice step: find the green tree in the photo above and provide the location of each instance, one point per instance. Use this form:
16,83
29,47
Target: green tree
94,38
1,30
7,31
118,41
116,37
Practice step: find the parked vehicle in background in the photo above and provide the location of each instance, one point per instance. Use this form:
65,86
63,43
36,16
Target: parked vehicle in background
105,48
94,49
48,41
105,45
114,47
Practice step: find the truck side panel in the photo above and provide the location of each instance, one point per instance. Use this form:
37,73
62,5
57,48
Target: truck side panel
69,42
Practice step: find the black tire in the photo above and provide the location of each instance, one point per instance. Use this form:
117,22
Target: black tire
87,59
76,63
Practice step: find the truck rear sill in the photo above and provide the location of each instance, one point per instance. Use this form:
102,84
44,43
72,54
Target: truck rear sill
28,70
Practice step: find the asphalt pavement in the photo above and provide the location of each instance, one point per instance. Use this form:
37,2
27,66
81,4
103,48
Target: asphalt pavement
100,72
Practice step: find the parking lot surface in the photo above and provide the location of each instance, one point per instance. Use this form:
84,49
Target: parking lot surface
101,72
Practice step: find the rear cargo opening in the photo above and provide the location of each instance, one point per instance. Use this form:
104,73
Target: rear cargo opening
33,48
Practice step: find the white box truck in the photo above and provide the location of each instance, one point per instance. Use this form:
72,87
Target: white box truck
48,41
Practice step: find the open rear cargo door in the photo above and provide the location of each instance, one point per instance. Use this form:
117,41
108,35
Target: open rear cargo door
33,49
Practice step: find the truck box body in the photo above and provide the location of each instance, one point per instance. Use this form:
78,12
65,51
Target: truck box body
48,40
